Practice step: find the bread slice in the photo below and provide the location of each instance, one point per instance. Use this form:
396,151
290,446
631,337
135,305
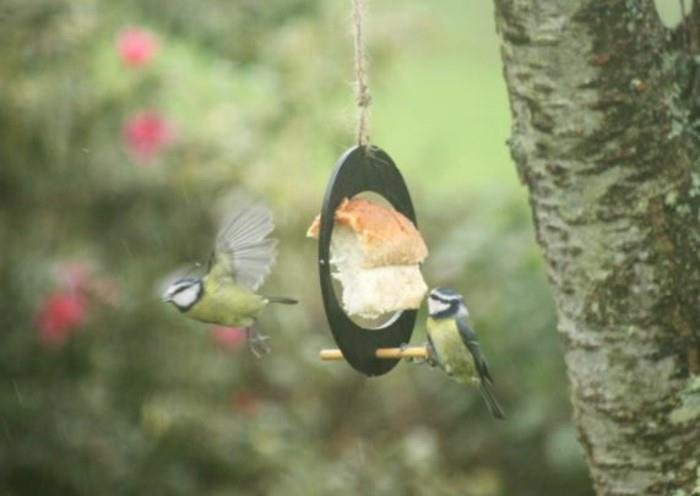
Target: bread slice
386,236
375,252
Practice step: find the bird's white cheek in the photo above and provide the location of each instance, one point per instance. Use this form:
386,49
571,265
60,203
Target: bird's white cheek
435,306
186,297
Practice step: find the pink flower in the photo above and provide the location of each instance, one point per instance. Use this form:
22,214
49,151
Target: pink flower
74,275
79,277
229,338
59,314
136,46
146,133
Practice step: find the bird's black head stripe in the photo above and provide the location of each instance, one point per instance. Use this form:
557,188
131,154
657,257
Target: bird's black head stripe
445,295
183,284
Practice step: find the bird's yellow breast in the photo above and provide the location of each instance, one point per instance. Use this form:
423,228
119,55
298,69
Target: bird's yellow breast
225,303
452,353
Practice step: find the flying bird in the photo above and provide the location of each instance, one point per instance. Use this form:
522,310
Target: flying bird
227,293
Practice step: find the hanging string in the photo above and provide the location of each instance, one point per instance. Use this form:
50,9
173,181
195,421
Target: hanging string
362,96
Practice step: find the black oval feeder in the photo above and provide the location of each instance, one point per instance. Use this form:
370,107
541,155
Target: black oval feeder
361,169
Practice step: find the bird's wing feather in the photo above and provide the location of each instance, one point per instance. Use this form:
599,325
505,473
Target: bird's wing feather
472,343
243,251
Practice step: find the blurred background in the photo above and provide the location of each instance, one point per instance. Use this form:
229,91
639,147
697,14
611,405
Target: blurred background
125,127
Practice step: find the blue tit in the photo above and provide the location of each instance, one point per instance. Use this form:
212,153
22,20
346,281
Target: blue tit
454,346
226,294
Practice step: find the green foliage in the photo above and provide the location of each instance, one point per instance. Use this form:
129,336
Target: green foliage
141,401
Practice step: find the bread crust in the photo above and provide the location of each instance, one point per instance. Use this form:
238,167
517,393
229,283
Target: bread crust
386,236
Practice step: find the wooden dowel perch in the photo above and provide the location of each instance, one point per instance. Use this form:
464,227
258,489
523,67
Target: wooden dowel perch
386,353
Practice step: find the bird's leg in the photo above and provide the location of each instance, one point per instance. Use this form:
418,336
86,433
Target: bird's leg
432,358
256,341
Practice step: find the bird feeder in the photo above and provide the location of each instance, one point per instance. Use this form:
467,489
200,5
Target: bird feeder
371,351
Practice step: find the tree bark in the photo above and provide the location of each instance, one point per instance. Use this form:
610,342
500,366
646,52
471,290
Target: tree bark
604,139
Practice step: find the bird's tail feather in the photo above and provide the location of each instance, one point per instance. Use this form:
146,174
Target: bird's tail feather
491,402
282,300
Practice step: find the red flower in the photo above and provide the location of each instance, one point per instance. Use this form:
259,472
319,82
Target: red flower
60,313
136,46
146,133
229,338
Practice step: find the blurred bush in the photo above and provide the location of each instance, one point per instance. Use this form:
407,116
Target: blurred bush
125,127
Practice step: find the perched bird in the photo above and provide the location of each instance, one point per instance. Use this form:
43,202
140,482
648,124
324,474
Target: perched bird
226,294
454,346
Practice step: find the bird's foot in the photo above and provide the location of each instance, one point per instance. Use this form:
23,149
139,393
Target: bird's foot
257,342
417,360
403,347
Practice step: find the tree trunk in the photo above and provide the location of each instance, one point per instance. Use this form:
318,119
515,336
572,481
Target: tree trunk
603,137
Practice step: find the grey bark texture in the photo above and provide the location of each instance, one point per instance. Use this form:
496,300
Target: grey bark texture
605,138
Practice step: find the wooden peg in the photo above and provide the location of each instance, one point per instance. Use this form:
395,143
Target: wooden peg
408,352
385,353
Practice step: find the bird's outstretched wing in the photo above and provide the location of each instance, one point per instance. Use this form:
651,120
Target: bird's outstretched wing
243,251
485,380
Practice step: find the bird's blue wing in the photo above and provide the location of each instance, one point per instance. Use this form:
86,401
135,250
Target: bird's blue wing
472,343
486,381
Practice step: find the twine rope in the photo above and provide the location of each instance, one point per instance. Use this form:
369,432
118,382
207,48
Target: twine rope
362,96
